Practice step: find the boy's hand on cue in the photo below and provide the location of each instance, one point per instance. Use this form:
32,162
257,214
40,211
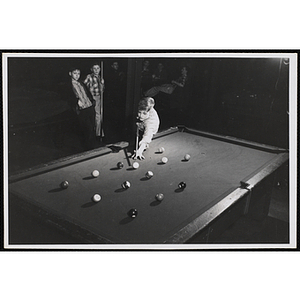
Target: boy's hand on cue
138,155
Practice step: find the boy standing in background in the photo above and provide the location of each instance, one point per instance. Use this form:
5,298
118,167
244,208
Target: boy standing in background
82,104
96,86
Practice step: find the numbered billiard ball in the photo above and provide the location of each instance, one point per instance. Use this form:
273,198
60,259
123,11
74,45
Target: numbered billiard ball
187,157
159,197
95,173
96,198
135,165
164,160
149,174
161,150
126,185
133,213
120,165
182,185
64,184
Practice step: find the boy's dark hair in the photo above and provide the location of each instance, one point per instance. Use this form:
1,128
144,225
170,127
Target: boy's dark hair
146,104
73,68
95,63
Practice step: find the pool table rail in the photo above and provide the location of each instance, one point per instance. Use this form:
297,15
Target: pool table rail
238,202
233,140
69,160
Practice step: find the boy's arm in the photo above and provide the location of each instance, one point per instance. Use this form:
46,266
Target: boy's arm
76,91
143,144
139,153
73,98
151,127
89,94
87,81
178,83
102,85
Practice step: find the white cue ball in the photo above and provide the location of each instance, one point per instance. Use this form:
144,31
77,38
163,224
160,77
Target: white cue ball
135,165
95,173
164,160
96,198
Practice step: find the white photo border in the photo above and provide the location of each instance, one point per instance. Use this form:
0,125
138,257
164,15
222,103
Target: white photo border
292,146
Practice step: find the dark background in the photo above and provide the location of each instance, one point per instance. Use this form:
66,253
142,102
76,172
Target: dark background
242,97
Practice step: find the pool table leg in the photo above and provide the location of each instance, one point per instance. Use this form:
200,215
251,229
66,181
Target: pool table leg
211,233
255,204
260,198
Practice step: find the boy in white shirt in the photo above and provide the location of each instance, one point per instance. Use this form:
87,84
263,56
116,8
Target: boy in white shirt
148,124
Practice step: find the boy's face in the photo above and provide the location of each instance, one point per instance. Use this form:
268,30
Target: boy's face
143,115
75,74
115,66
96,69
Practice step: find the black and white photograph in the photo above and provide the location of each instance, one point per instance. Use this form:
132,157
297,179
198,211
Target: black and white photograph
149,150
111,150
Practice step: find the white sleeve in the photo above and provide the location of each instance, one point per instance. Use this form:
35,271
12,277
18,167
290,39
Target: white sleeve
151,127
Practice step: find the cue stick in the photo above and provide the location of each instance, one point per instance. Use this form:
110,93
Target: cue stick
137,139
101,101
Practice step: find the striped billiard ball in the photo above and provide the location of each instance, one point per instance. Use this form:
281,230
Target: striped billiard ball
149,174
126,185
182,185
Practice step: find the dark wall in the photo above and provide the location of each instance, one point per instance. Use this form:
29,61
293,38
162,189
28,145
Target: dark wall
243,97
247,97
49,73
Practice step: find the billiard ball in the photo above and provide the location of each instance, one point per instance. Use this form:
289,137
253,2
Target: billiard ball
64,184
135,165
164,160
126,185
120,165
95,173
149,174
133,213
159,197
96,198
161,150
187,157
182,185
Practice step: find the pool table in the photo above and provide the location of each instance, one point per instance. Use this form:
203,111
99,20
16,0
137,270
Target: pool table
225,178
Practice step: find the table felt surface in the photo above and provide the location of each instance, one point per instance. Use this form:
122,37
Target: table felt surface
214,170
